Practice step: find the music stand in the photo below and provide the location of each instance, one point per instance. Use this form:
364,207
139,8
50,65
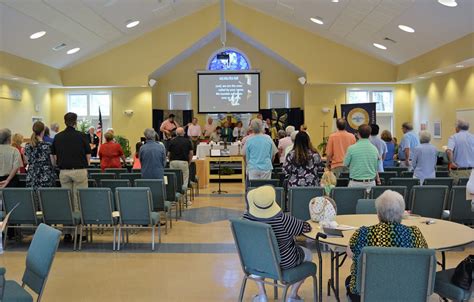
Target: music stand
219,191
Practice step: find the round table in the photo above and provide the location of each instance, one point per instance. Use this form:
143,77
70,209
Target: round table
441,236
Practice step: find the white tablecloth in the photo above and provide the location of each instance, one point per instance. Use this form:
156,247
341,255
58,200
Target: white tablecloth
203,150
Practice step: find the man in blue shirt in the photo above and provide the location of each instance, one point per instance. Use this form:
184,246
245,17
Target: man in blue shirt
407,145
379,144
259,152
152,156
424,158
461,151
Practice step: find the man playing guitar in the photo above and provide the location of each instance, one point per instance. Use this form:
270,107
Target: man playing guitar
168,127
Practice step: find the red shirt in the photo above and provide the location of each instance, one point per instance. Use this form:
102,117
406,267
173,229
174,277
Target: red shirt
109,154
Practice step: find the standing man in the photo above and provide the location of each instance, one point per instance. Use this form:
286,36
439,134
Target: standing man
461,151
285,142
362,158
168,128
337,145
194,132
152,156
407,145
72,153
93,140
259,151
54,130
209,128
180,154
379,144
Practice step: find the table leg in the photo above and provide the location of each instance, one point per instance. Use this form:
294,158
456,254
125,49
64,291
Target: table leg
337,276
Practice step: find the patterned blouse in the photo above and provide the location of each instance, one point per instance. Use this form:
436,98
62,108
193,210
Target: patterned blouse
40,169
286,227
302,176
383,235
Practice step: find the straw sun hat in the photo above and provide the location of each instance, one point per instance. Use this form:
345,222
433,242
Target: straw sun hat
262,203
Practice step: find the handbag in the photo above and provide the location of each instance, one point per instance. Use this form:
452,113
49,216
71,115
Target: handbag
462,276
322,208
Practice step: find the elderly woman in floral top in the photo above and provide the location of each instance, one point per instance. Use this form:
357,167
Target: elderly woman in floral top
302,163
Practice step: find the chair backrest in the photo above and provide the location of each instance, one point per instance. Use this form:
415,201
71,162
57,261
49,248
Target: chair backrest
179,178
257,248
131,177
280,196
407,174
56,205
90,183
342,182
136,170
6,219
378,190
25,213
429,201
21,176
299,198
442,173
460,208
192,172
116,171
255,183
396,274
96,205
113,184
40,257
366,206
399,170
344,175
442,168
462,181
408,183
94,170
134,205
170,185
346,199
387,175
439,181
158,192
99,176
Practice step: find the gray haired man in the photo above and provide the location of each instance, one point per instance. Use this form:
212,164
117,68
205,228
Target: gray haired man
152,156
461,151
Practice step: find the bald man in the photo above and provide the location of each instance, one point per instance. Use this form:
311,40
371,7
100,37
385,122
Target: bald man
180,154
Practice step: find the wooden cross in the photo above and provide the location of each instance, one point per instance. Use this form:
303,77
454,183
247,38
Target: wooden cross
324,126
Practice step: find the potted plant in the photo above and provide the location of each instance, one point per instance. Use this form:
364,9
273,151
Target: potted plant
125,144
322,146
84,125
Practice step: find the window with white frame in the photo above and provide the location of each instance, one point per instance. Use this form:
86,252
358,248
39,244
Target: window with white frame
278,99
383,97
179,101
86,105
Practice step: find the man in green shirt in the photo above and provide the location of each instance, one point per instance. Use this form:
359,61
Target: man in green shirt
362,158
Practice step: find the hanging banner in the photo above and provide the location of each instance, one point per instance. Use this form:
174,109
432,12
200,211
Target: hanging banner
358,114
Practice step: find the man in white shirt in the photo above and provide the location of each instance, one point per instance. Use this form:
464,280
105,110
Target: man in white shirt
209,128
194,132
54,128
284,143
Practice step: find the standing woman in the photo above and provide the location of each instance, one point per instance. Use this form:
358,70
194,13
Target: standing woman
17,140
10,160
301,164
386,136
40,160
110,153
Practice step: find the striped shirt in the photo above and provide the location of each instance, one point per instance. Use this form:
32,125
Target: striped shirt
285,228
362,158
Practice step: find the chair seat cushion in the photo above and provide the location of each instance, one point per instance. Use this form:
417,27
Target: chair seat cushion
446,289
14,292
155,217
298,273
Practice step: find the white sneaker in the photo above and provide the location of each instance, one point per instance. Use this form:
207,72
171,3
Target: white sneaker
260,298
296,299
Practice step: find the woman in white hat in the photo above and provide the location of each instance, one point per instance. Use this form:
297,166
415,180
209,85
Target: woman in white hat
263,208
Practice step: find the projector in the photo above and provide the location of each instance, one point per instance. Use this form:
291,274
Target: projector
223,56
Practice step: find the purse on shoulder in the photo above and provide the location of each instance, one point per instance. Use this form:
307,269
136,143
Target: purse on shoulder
462,276
322,208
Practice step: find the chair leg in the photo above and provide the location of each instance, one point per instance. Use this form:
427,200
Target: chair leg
119,241
171,218
285,291
153,238
166,223
4,238
75,238
159,233
113,242
316,298
242,289
275,290
80,234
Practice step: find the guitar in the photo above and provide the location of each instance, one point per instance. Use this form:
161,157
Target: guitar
170,134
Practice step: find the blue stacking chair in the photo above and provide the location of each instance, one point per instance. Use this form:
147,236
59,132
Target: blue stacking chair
94,170
396,274
460,208
342,182
299,198
429,201
446,289
408,183
56,205
407,174
259,255
131,177
378,190
366,206
385,176
172,194
158,194
255,183
97,209
38,265
113,184
100,176
135,207
439,181
116,171
462,181
442,174
346,199
399,170
280,196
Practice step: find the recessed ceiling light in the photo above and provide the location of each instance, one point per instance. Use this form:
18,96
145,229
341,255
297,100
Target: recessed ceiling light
334,1
380,46
459,66
35,83
317,20
37,35
421,77
14,79
73,50
132,23
439,72
408,29
449,3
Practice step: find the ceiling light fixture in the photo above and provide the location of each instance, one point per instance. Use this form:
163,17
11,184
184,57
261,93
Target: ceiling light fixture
421,77
35,83
439,72
73,50
317,20
334,1
14,79
380,46
37,35
459,66
406,28
132,23
448,3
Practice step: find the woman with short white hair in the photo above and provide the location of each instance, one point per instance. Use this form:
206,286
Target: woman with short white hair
389,232
10,160
425,156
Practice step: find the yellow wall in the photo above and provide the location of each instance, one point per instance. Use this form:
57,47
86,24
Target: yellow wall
137,99
16,115
183,77
438,98
318,96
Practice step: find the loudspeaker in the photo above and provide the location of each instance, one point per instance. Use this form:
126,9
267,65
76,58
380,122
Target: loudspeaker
302,80
151,82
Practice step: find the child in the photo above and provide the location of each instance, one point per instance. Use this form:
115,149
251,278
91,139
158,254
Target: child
328,181
136,160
